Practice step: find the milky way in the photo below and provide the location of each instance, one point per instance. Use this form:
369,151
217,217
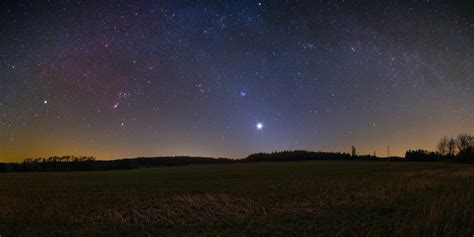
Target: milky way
119,79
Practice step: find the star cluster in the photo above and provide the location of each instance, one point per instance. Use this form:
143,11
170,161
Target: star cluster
227,78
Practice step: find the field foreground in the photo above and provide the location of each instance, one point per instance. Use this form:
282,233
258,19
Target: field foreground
283,198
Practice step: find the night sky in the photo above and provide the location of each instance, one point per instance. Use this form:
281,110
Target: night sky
119,79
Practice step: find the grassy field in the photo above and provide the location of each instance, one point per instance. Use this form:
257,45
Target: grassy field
323,198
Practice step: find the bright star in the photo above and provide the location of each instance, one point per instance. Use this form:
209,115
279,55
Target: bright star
243,93
45,101
259,126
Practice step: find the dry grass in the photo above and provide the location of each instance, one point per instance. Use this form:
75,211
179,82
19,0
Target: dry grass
182,210
291,198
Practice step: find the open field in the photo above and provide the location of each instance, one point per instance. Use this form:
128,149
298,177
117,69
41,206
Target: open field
282,198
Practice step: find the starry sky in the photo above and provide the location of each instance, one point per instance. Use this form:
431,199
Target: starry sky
219,78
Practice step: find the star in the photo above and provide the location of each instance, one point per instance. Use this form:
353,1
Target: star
45,102
243,93
259,126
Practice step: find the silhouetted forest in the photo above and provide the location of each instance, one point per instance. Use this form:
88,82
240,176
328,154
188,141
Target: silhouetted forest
459,149
83,163
305,155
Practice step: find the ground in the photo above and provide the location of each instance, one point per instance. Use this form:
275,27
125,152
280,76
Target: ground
325,198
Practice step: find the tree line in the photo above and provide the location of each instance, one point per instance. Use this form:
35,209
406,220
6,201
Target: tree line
460,148
306,155
88,163
85,163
